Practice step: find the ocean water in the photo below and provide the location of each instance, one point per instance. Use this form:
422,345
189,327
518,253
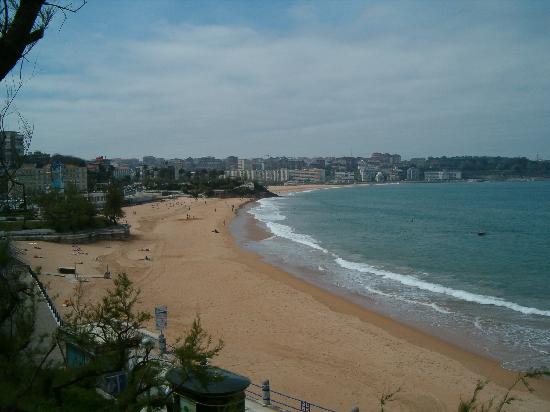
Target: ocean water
412,252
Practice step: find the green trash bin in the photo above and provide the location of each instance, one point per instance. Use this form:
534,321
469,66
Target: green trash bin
215,390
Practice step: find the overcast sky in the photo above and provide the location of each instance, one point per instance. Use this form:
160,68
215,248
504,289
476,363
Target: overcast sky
196,78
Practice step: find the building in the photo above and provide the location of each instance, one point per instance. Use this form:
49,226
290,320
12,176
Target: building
396,174
230,163
122,171
209,163
442,175
418,162
152,161
41,179
75,176
244,164
178,165
344,178
98,199
262,176
35,179
307,175
367,172
412,173
12,147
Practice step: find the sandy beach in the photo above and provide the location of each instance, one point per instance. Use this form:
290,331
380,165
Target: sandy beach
309,342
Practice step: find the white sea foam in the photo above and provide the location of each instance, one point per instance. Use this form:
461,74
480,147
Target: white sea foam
477,323
436,288
431,305
287,232
268,212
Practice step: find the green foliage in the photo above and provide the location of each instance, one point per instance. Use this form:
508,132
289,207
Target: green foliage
201,182
6,257
22,224
197,347
100,178
67,211
23,353
113,203
68,160
492,405
194,352
490,167
110,332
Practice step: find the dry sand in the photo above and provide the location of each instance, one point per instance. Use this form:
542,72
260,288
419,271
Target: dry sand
308,342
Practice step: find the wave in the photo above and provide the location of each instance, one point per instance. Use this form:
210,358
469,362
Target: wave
412,281
430,305
288,233
268,212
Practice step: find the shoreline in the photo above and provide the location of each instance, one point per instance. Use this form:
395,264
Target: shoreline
310,343
341,303
346,302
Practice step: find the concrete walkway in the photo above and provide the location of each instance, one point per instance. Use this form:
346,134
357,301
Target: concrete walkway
253,406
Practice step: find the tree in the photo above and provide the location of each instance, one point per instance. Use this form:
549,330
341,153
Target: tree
113,203
195,351
67,211
111,331
23,24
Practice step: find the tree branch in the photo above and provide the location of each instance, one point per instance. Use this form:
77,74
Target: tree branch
66,8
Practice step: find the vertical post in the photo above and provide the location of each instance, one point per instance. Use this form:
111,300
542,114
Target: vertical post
266,393
355,409
162,343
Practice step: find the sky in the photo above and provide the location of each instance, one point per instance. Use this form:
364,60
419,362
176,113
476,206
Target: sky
292,78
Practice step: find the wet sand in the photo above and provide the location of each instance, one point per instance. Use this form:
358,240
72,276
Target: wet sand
309,342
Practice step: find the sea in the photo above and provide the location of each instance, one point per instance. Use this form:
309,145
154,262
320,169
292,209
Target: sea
467,262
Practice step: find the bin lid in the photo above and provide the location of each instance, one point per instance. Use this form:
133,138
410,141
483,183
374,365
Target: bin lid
215,381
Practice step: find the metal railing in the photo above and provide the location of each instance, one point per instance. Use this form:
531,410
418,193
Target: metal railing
264,395
48,300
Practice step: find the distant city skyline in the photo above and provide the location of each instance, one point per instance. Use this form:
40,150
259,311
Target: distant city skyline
177,79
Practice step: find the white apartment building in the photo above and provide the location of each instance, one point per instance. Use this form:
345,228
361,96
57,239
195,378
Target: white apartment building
442,175
344,178
264,176
122,171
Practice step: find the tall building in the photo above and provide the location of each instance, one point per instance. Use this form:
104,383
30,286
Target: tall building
11,147
244,164
230,162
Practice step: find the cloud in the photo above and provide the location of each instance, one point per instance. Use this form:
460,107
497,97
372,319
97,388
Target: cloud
427,86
